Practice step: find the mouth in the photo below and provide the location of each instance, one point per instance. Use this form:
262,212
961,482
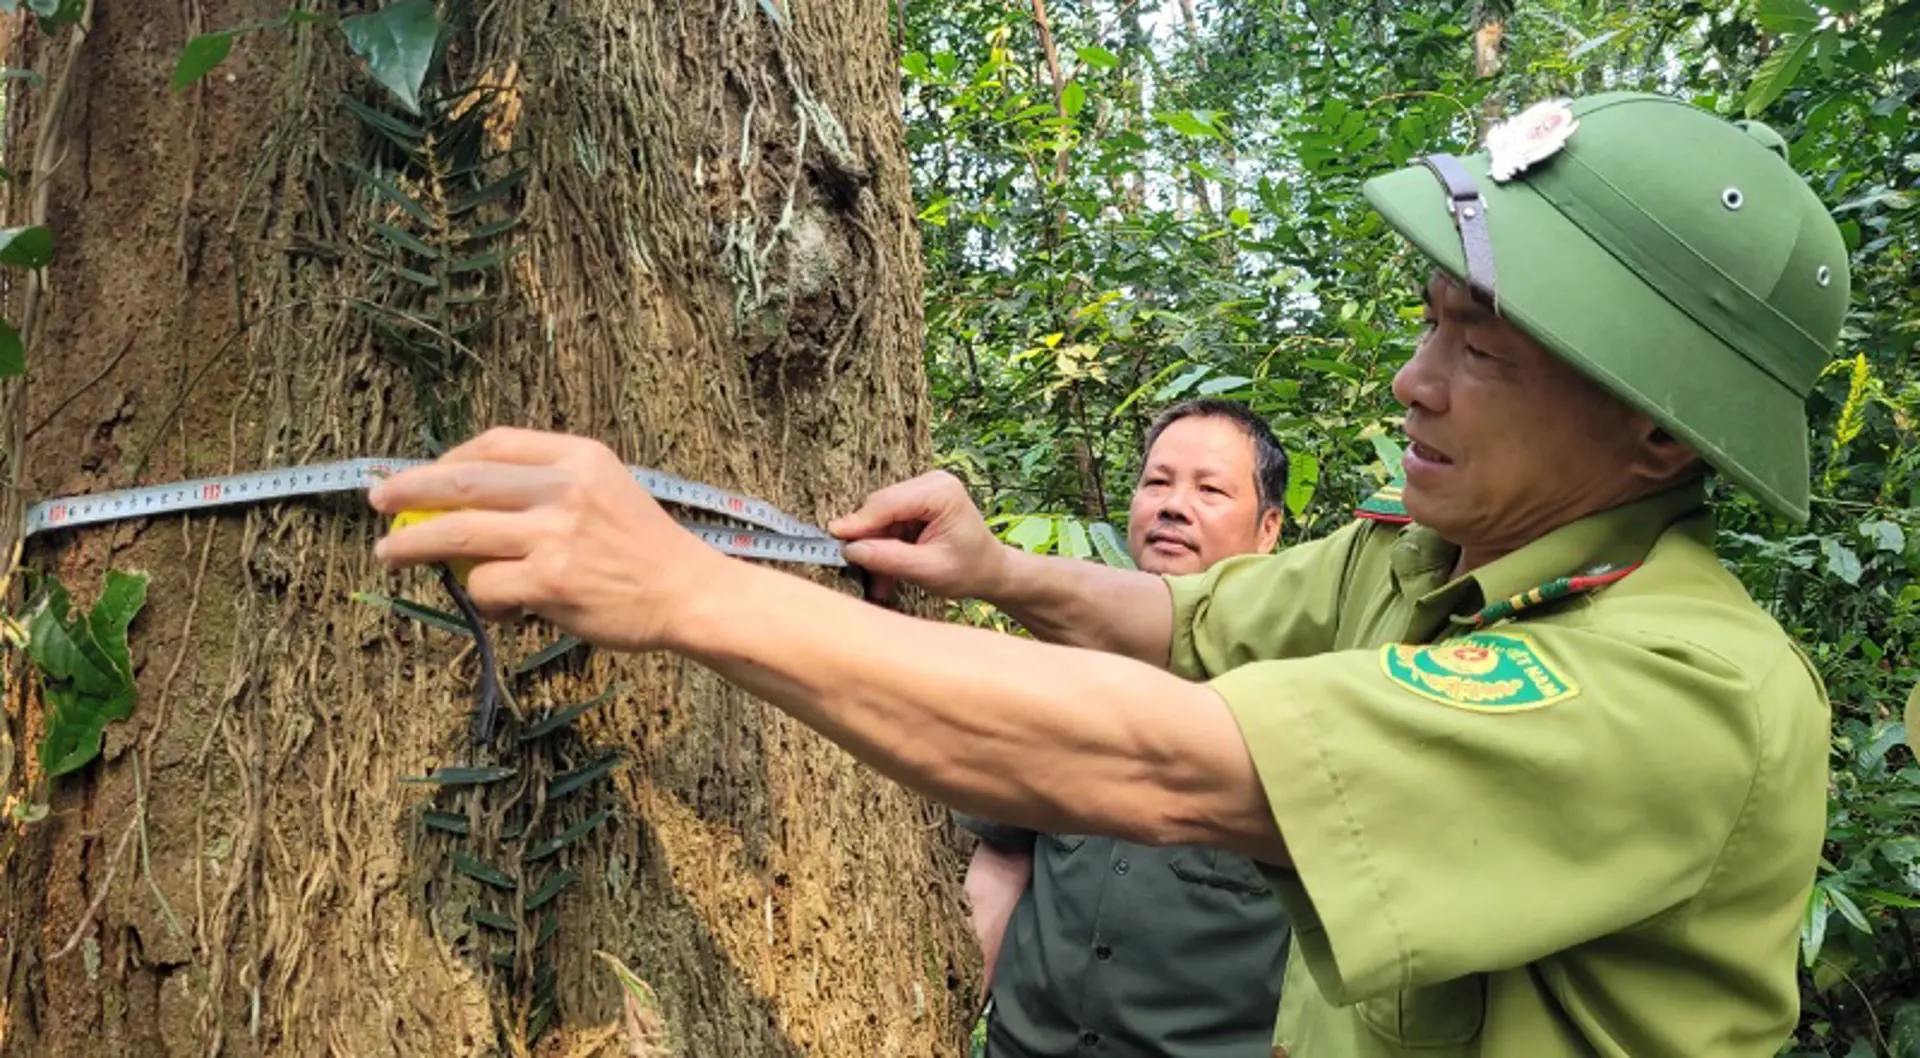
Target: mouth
1161,539
1426,453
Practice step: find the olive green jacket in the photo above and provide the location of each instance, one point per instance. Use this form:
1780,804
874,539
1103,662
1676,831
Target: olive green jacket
1568,804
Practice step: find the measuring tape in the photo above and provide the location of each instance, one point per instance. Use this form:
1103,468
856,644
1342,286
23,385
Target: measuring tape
773,534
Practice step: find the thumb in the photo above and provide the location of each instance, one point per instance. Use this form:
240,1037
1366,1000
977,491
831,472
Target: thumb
887,557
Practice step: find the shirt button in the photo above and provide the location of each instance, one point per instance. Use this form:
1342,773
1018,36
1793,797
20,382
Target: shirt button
1121,867
1089,1038
1103,952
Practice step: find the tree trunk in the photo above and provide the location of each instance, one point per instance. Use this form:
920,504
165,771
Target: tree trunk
718,274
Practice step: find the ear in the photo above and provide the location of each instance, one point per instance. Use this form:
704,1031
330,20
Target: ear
1270,520
1662,458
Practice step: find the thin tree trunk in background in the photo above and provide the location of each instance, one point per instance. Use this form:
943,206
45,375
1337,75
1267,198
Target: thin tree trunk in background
719,275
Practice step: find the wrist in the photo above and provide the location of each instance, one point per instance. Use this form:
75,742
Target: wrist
1003,576
705,604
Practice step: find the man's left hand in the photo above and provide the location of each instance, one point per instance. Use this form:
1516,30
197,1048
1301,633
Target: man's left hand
558,528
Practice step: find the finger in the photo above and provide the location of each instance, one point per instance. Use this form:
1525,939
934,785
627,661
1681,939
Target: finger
476,535
513,444
448,486
918,499
501,591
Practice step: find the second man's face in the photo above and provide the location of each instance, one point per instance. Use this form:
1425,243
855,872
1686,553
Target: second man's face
1197,501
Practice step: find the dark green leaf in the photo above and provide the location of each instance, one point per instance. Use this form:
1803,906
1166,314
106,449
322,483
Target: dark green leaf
397,42
489,230
405,240
566,837
464,776
416,277
548,927
426,615
490,192
404,134
396,196
547,891
482,872
543,1014
554,651
13,353
482,262
26,247
85,667
563,785
450,822
565,716
494,920
30,76
201,54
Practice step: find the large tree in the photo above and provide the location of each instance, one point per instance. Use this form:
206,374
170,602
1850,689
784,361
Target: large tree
684,229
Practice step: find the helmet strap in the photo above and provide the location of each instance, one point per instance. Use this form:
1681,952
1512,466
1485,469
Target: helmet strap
1469,212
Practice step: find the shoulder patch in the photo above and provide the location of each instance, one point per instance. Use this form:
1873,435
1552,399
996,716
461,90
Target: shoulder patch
1384,505
1486,672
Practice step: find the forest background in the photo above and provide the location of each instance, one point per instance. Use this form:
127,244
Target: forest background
1117,203
1128,202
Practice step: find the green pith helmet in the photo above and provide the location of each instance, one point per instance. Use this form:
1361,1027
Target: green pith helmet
1671,256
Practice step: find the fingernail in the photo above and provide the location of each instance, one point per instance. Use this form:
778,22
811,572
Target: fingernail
855,551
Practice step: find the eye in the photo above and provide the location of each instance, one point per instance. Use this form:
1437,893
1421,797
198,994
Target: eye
1477,353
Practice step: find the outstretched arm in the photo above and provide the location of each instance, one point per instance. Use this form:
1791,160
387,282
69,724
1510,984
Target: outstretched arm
1034,734
928,532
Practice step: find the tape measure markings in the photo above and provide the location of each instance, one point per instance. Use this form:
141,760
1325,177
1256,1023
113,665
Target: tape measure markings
776,535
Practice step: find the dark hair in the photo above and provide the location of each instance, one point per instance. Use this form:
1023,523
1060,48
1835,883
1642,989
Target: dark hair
1269,459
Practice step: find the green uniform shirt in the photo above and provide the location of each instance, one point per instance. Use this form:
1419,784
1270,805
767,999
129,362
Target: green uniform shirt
1585,821
1135,951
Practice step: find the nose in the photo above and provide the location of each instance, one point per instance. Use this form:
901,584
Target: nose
1177,506
1420,382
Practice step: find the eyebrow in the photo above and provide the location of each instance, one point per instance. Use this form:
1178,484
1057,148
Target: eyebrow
1473,314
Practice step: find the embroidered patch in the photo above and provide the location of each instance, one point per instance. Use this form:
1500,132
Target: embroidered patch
1494,672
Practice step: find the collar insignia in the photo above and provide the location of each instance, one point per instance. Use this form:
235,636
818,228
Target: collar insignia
1384,505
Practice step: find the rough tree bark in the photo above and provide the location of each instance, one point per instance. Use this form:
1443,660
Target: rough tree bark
718,273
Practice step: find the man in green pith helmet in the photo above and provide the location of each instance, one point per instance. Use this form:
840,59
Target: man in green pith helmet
1531,772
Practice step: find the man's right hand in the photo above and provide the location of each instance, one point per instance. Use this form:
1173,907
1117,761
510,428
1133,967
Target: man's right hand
996,878
925,531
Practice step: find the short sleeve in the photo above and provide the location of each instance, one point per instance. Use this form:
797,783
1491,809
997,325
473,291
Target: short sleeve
999,835
1478,804
1261,606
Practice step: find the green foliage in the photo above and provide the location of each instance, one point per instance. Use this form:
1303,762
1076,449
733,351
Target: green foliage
399,43
1191,225
85,668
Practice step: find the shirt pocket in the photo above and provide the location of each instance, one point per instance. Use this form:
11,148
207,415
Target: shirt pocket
1221,870
1448,1014
1065,844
